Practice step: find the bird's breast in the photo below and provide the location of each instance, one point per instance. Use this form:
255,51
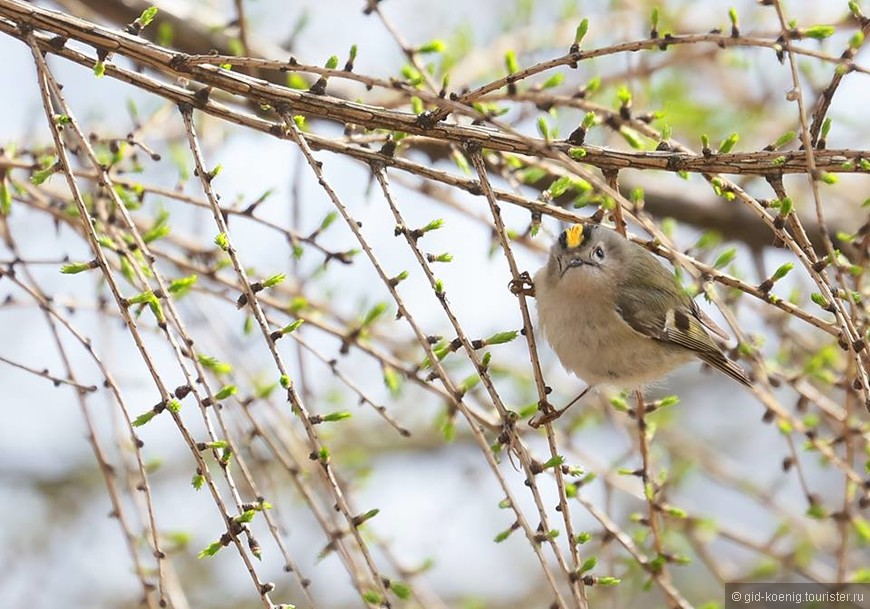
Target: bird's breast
593,341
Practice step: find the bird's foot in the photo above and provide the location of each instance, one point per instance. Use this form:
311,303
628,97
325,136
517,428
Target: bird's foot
522,284
546,414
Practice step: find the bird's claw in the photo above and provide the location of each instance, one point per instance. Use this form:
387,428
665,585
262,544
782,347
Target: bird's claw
522,284
546,414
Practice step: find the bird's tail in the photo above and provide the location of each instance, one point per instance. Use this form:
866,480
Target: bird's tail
721,363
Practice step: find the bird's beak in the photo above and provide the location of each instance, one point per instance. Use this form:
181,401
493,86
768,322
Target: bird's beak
569,263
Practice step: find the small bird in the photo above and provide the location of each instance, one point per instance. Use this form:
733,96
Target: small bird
616,317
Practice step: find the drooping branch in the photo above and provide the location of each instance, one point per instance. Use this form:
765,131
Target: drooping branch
174,65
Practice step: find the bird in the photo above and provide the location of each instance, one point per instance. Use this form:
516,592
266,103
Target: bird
617,317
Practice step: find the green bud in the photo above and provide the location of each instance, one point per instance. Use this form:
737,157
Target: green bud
732,15
826,126
554,462
222,241
543,128
728,143
433,46
580,32
510,62
373,314
212,549
499,338
784,139
632,137
670,400
373,598
225,392
74,268
401,589
554,81
782,271
147,16
274,280
181,286
819,32
503,535
725,258
292,326
144,418
213,364
334,417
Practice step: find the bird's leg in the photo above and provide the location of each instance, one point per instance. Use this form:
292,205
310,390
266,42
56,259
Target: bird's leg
548,413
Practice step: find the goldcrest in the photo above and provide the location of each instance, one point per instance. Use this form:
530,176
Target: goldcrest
616,317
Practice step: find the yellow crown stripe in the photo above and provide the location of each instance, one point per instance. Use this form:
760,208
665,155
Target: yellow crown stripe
574,236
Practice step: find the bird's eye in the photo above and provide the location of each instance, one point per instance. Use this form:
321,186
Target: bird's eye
598,252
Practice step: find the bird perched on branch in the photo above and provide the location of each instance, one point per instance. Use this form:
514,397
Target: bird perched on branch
616,317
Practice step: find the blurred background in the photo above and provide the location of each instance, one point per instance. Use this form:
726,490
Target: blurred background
739,497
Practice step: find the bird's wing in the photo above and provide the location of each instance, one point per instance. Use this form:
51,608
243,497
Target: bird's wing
679,325
709,323
659,319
